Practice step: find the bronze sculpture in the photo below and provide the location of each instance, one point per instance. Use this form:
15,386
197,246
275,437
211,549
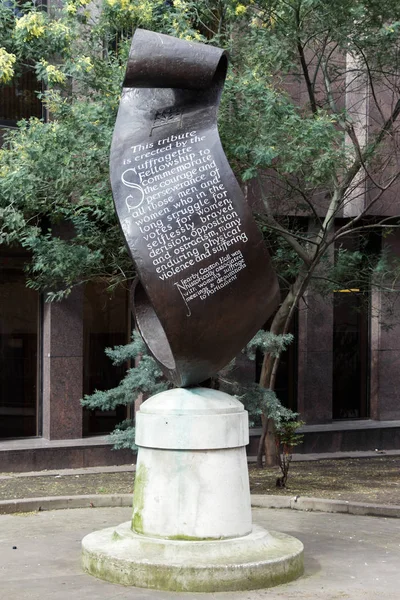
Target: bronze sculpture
206,283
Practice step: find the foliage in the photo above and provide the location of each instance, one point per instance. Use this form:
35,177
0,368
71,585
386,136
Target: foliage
286,438
55,197
146,378
7,61
143,378
261,401
57,172
265,341
289,129
123,435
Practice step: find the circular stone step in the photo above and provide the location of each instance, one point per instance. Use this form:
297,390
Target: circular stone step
261,559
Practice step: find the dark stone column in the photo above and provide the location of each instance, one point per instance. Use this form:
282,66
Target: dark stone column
63,368
385,348
385,363
315,359
375,330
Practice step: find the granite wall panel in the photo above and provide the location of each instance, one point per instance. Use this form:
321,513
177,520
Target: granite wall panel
70,457
315,360
63,368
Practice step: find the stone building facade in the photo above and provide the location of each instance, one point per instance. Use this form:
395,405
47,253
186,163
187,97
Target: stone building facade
342,373
50,356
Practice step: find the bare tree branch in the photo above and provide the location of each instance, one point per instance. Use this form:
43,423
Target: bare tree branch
279,229
350,225
284,233
362,158
306,199
304,66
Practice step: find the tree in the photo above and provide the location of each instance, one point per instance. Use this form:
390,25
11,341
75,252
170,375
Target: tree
327,156
294,122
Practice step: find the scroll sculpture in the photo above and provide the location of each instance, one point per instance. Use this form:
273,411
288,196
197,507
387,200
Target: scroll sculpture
206,282
205,287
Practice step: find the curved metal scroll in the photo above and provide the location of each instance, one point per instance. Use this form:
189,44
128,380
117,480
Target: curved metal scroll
206,283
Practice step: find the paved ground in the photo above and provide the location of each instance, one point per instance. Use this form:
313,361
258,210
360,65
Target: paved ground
346,557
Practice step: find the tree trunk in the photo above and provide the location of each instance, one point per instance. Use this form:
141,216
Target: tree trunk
270,445
280,325
261,444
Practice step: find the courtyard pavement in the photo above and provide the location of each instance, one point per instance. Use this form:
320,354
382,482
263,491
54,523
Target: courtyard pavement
347,557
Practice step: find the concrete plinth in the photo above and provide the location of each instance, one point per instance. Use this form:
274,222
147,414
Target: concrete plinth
191,527
261,559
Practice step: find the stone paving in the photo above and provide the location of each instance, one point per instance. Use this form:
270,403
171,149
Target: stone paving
347,557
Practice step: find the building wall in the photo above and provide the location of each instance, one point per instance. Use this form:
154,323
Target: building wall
61,360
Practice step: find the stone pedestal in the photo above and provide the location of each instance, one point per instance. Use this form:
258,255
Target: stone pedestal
191,527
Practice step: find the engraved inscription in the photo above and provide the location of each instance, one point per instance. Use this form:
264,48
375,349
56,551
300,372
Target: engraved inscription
177,203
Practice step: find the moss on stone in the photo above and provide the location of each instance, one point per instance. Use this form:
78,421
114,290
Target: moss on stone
228,569
138,498
188,538
192,579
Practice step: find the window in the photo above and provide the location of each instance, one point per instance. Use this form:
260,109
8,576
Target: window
350,355
351,362
19,100
105,324
19,312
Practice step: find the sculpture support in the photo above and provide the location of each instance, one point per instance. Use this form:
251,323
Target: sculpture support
191,527
196,457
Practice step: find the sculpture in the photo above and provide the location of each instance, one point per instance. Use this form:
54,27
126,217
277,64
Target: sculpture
206,282
206,286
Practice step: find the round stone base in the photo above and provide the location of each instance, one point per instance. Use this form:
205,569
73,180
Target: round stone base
261,559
